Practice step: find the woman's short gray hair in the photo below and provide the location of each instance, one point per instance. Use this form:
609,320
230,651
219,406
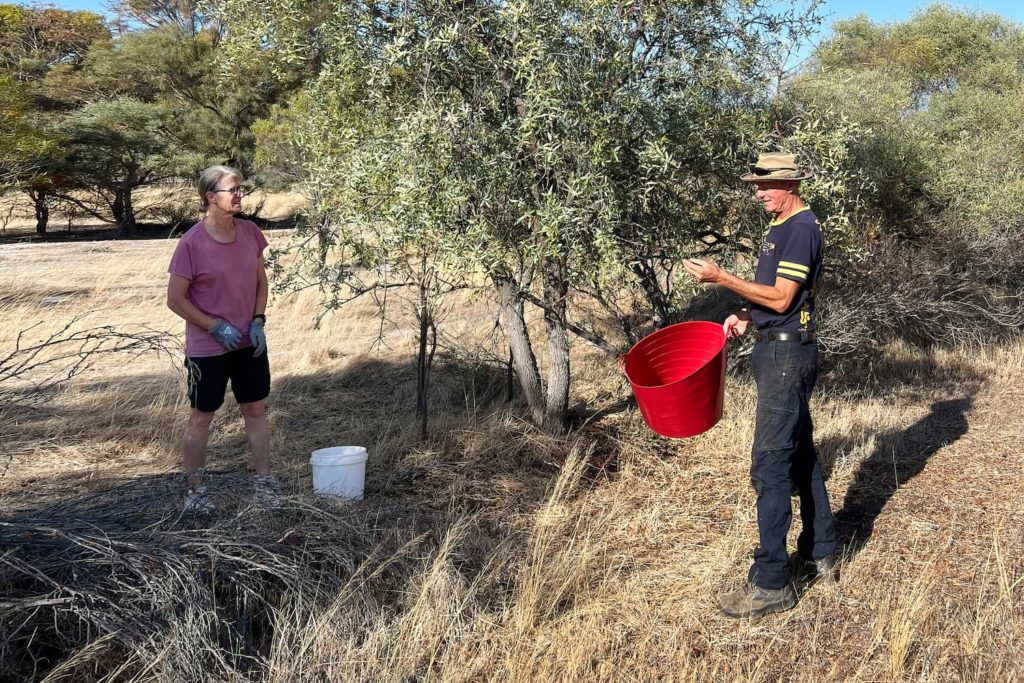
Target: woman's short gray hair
211,177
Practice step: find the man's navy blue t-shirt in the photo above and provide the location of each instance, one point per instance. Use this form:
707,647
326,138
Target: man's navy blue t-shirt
791,249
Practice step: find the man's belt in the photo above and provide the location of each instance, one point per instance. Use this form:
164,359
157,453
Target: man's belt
784,335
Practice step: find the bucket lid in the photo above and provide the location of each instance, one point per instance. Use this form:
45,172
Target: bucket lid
338,455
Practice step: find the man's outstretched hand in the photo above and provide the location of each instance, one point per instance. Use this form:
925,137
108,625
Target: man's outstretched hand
701,270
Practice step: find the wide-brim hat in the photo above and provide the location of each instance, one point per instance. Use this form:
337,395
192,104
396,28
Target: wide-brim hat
775,166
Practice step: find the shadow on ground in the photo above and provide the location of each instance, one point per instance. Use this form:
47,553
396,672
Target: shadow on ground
122,571
898,455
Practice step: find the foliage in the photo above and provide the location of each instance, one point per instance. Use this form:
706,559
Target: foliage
279,157
183,15
34,40
936,90
118,146
940,223
939,50
65,67
545,148
20,142
33,43
213,115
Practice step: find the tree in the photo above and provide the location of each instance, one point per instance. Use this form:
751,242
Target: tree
20,142
940,93
937,99
34,40
549,147
34,43
68,65
183,15
29,151
175,60
114,148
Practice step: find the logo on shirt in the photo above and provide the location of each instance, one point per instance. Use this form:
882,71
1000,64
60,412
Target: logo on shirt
767,247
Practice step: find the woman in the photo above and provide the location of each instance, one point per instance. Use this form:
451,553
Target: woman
218,284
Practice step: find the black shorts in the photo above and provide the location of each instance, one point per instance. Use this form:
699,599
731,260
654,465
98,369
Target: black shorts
208,378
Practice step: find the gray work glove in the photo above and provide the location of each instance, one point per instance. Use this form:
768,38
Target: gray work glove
227,335
258,337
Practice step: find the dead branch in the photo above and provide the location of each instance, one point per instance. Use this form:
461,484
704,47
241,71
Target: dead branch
122,575
34,366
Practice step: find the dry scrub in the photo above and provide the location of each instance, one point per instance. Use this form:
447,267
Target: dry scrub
490,552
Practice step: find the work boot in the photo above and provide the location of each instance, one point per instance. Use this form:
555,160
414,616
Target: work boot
826,570
754,601
808,571
266,489
197,502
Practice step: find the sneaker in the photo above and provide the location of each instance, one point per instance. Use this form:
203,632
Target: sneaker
823,570
754,601
197,502
267,490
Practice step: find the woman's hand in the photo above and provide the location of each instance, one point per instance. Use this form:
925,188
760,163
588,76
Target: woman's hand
227,335
258,337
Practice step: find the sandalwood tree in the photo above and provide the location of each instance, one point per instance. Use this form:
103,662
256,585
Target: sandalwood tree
539,148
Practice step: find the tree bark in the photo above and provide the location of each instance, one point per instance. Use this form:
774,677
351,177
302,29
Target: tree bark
656,297
556,290
124,211
510,379
42,210
523,358
117,208
424,357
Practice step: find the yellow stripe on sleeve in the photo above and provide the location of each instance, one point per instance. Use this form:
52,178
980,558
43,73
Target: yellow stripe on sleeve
795,266
792,273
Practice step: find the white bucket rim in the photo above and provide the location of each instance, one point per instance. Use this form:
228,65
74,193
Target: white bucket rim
338,455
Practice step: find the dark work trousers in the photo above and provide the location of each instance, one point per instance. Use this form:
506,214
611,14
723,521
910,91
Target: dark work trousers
783,458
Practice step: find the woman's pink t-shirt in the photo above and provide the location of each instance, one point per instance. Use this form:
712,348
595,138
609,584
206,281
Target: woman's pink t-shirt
222,281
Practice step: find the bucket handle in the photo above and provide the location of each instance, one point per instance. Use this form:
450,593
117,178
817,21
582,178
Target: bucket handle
622,365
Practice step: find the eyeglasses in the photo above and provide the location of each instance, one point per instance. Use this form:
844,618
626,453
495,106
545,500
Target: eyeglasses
237,189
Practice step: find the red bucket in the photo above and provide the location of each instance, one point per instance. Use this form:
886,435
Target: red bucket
678,378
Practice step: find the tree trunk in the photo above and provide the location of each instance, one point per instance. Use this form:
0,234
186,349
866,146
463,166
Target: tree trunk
556,289
510,378
514,324
124,211
656,297
424,358
42,210
118,207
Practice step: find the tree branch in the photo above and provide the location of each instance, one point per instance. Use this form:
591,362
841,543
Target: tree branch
587,335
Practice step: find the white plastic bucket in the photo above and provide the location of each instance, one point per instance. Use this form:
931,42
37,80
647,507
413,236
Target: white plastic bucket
339,471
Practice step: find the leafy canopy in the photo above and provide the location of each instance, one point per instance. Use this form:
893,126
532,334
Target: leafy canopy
512,133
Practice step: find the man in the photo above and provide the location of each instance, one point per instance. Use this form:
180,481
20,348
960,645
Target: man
785,361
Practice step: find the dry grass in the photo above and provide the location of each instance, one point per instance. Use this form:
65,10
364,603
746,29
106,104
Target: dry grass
489,552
